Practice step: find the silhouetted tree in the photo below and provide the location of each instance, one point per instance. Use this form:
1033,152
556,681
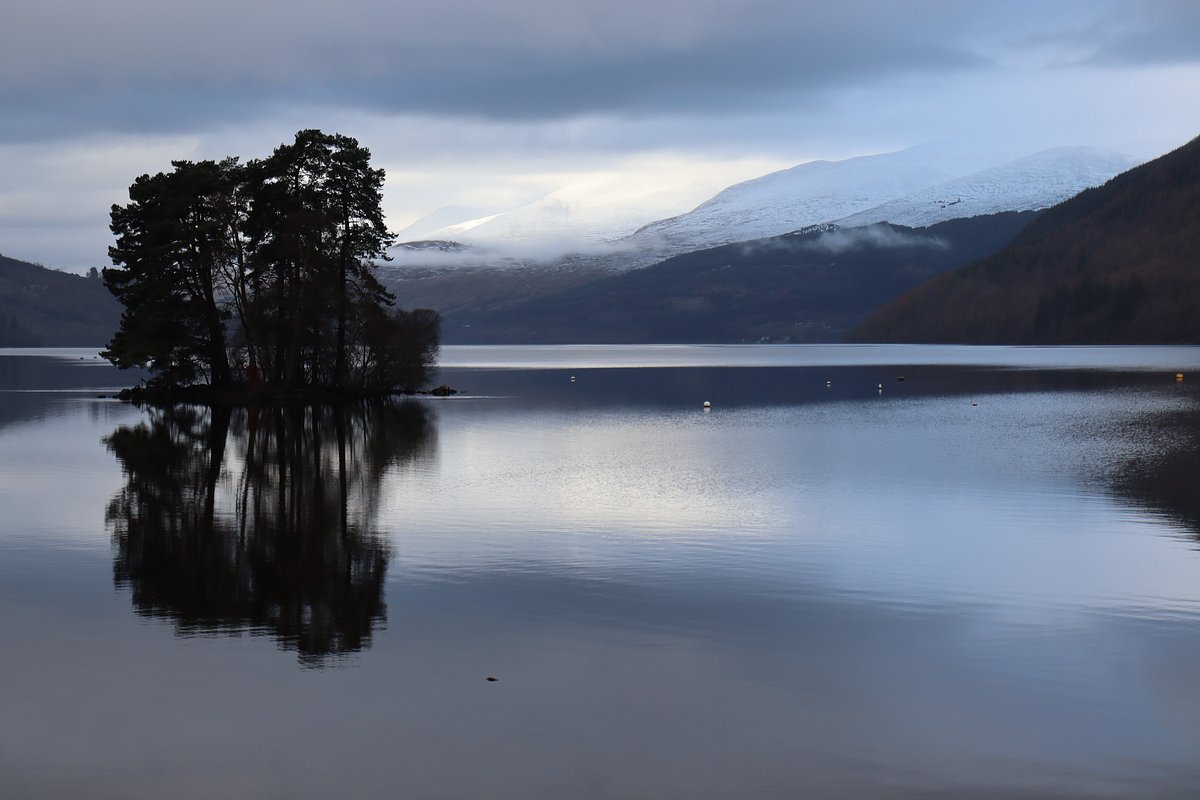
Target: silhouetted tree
172,240
264,271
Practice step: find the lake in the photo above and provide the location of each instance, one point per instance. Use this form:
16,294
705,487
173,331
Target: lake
864,572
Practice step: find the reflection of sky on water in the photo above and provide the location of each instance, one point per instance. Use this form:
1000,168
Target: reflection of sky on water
910,500
833,595
596,356
55,475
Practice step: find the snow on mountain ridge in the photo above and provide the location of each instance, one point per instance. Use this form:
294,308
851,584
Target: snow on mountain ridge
441,219
589,210
916,187
1031,183
811,193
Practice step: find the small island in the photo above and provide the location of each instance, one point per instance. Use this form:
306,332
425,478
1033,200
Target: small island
253,282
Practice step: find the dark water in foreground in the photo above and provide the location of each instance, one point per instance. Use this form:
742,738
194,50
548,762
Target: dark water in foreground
982,581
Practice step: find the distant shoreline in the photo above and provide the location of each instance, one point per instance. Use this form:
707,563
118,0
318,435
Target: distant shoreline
245,396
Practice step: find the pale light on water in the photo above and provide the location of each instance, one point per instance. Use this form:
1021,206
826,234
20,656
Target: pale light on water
596,356
983,582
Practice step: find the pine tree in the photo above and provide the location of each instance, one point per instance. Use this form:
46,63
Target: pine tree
231,273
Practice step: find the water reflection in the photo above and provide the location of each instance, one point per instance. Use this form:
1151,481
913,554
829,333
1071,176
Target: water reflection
725,387
33,389
261,519
1163,474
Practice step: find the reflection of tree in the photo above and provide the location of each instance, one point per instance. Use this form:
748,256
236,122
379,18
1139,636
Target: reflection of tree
261,518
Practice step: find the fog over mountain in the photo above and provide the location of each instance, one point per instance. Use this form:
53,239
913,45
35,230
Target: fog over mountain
917,186
810,194
803,287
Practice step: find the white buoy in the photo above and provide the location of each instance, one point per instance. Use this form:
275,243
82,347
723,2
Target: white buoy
572,379
707,404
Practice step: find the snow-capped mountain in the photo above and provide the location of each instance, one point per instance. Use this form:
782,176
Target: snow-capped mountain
587,212
811,194
441,220
1027,184
592,218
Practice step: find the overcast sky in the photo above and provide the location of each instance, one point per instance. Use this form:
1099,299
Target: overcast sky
488,104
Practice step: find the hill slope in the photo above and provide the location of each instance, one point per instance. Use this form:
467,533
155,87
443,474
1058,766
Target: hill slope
1119,263
915,187
1031,183
42,307
808,286
808,194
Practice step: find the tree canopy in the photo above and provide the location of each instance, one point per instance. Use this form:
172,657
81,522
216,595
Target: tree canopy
262,273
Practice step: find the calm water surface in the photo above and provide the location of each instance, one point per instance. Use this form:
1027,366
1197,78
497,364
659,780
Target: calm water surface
981,581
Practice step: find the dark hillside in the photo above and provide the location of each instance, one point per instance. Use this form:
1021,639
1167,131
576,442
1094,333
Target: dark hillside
803,287
1119,263
42,307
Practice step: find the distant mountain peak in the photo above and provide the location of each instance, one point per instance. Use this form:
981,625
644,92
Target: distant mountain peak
812,193
917,186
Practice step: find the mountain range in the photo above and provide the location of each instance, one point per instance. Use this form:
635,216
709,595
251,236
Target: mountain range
916,187
922,246
585,214
1031,183
1119,263
810,286
496,294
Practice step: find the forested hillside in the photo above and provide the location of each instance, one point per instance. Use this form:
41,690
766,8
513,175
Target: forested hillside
42,307
1119,263
804,287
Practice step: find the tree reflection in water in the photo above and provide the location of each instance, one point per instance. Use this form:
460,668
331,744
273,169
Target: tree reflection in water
262,519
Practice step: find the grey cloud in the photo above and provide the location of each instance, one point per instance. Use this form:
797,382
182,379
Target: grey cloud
71,111
1162,33
494,99
137,65
740,80
1124,34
